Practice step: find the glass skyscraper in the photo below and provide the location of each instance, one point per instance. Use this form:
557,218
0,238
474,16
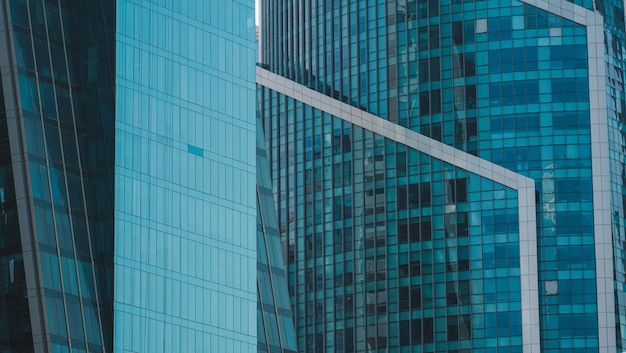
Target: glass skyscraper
128,181
449,174
185,177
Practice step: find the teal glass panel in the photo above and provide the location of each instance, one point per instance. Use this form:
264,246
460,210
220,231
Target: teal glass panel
505,81
388,248
185,177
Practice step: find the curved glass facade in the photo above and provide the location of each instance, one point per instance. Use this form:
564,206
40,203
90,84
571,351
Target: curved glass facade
389,248
516,83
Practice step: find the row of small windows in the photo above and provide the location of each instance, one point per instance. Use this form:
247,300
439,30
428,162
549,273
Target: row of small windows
417,229
513,60
428,37
430,101
497,256
570,89
535,18
341,143
534,154
314,247
499,28
514,92
501,256
316,282
418,9
429,70
568,56
409,196
420,331
463,32
563,90
411,332
501,93
526,92
457,293
410,297
502,61
414,230
416,331
516,123
415,297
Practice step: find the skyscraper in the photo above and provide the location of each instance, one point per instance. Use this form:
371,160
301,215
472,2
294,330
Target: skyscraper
449,174
128,176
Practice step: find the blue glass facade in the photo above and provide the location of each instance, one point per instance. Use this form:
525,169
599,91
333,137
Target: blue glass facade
516,83
389,248
185,177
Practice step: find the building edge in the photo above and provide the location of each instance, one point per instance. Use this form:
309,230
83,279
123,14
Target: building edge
8,72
